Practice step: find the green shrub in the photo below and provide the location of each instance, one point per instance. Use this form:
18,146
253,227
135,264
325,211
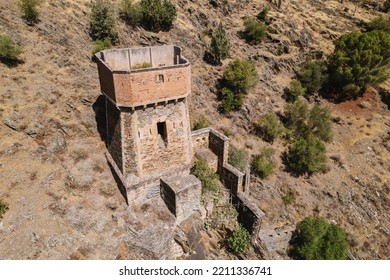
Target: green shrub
295,91
297,115
264,164
102,22
3,208
9,52
270,127
158,15
240,240
263,14
101,45
231,101
358,61
220,45
141,65
307,155
379,23
289,197
238,158
202,122
313,75
131,12
210,180
29,8
255,31
320,123
316,239
238,78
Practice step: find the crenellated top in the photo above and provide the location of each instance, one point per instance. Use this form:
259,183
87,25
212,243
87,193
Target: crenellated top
134,77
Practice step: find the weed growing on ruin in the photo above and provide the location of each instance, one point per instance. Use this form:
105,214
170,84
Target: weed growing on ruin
238,158
210,180
240,240
202,122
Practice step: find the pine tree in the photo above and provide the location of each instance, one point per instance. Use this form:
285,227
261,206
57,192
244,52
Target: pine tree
220,45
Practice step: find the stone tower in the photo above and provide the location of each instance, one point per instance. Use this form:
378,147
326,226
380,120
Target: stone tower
148,133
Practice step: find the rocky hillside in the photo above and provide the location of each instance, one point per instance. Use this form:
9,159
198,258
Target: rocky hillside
63,199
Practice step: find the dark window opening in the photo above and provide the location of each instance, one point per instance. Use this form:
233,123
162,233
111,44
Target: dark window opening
161,78
162,130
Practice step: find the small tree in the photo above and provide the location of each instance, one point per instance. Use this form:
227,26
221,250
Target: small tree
29,8
240,240
320,123
307,155
102,21
359,60
158,15
9,52
263,14
379,23
220,45
270,127
3,208
313,75
131,12
316,239
239,77
296,116
264,164
255,31
238,158
295,91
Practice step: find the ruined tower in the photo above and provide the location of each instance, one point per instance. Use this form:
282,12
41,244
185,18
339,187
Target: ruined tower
148,133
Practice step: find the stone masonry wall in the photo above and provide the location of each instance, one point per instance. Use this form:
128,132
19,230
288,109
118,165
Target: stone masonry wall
147,153
114,134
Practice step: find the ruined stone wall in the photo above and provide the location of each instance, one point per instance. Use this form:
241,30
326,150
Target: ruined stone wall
114,134
249,215
200,139
232,178
148,86
219,145
156,155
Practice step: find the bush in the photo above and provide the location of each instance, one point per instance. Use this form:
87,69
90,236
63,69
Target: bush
255,31
238,158
263,14
316,239
263,164
9,52
202,122
3,208
210,180
239,77
101,45
289,197
358,61
270,127
102,21
29,8
220,45
307,155
313,75
320,123
131,12
158,15
240,240
295,91
379,23
296,116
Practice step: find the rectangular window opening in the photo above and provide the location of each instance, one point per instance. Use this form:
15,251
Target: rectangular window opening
162,130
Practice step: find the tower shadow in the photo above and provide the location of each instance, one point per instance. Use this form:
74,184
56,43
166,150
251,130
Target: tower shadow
99,107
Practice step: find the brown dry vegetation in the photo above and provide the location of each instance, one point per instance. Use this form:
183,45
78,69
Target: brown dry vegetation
63,199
